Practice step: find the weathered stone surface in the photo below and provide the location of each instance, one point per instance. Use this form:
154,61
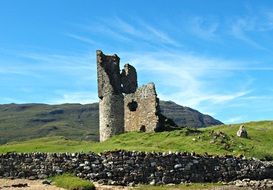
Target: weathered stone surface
111,115
123,106
129,167
129,79
242,132
108,70
141,109
110,93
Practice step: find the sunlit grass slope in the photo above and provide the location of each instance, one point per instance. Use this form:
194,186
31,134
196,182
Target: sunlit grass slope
219,140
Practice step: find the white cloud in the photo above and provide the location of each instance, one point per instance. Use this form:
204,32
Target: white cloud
189,79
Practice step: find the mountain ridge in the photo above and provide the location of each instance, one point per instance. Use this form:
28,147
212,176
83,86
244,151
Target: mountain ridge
76,121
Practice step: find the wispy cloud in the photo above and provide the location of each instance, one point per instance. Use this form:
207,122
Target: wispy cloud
65,63
190,80
267,21
205,29
186,74
239,30
107,30
159,35
46,72
16,70
121,30
82,39
250,28
83,97
125,27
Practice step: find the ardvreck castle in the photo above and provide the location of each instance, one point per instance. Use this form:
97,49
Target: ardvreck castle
124,106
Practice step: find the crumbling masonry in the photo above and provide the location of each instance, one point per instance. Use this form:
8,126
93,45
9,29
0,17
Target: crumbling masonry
123,106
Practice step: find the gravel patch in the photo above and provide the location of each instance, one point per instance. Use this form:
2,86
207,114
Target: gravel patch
23,184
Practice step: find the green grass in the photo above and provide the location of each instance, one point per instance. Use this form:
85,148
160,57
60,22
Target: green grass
217,140
70,182
47,144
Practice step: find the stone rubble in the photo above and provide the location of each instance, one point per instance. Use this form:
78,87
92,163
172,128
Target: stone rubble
254,184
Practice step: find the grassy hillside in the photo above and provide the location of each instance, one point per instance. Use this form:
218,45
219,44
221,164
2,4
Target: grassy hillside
27,121
213,140
75,121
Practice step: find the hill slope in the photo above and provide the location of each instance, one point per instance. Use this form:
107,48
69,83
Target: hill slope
217,140
20,122
75,121
185,116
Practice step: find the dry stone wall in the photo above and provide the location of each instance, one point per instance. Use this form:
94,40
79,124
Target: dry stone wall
127,168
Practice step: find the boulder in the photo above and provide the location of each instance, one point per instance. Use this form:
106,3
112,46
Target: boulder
242,132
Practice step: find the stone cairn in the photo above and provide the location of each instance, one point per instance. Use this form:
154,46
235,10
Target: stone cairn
123,106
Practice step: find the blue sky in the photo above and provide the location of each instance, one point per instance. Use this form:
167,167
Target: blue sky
214,56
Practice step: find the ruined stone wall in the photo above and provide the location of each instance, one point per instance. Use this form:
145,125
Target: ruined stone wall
123,106
125,168
109,81
129,79
140,109
111,98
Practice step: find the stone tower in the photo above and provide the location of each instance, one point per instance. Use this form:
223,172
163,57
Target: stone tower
111,104
123,106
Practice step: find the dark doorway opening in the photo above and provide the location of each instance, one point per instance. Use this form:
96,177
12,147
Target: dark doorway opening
142,128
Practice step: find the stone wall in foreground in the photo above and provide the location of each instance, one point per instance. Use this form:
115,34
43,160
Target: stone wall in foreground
124,168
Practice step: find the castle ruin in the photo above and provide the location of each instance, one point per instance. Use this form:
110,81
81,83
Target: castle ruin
124,106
